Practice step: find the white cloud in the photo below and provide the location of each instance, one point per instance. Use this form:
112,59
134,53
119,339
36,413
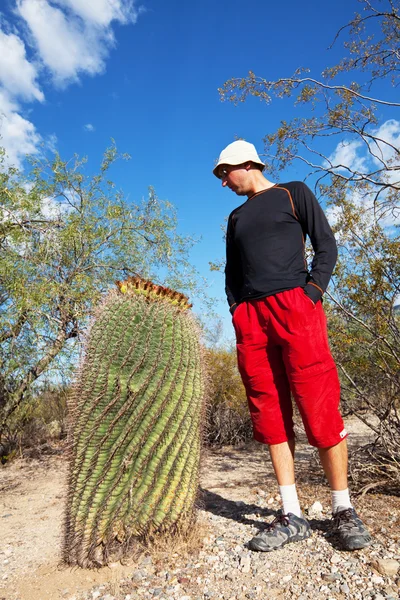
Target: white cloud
51,142
356,156
366,156
346,156
65,45
17,74
53,209
17,135
387,151
89,127
77,40
102,12
70,38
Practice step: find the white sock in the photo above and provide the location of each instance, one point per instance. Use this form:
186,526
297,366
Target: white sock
290,500
340,498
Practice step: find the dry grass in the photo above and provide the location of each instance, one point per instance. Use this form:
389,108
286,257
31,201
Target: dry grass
182,540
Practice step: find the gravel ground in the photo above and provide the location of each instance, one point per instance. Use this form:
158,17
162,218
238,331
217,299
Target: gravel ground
238,497
225,569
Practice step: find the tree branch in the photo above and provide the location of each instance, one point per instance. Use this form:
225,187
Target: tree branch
15,330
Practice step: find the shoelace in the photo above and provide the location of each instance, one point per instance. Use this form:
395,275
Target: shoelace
279,520
345,516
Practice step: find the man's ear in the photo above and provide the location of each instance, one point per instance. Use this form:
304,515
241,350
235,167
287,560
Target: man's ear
247,166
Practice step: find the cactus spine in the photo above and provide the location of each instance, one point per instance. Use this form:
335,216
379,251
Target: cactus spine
135,423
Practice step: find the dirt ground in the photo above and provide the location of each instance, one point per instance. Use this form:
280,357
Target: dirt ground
32,495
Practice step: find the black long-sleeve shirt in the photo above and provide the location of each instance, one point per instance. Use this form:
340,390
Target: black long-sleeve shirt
265,245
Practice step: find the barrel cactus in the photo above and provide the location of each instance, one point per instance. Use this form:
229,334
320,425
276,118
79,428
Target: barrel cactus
136,414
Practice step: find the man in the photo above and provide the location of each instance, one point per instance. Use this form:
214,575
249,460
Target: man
282,343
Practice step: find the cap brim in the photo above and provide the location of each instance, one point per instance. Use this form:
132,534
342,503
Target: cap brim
235,162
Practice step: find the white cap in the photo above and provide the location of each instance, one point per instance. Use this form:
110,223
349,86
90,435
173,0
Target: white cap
237,153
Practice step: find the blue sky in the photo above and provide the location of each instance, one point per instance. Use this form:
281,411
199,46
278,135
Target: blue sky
75,73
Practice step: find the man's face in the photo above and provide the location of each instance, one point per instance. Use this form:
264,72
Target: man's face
235,177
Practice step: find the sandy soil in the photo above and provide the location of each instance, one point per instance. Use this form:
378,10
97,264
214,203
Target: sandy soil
32,494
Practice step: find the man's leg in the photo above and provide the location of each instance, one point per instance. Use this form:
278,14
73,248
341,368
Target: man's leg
334,463
268,393
347,526
315,385
289,525
282,458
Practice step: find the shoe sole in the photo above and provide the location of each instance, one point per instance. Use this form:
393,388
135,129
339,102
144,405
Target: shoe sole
261,547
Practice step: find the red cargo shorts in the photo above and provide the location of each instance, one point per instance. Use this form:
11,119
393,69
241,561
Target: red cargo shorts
282,347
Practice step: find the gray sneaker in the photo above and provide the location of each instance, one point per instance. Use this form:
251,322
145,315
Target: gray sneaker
350,531
284,529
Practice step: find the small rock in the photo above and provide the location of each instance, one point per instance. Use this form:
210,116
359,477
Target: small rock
315,510
96,594
388,567
344,588
334,569
245,563
336,559
263,568
377,580
331,577
286,579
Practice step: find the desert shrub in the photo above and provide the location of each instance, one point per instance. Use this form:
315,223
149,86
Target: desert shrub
36,424
228,420
366,352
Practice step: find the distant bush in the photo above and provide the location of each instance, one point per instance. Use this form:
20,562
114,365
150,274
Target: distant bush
228,420
35,425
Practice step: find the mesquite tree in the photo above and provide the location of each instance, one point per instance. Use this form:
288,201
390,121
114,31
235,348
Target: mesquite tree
64,235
